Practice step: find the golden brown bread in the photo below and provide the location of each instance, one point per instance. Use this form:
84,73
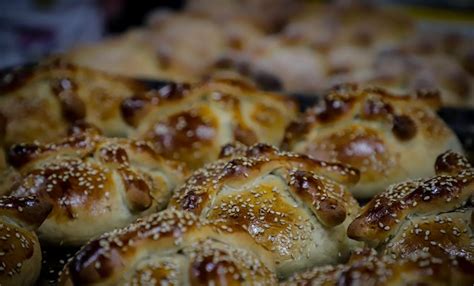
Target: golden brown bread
171,248
296,207
41,102
387,137
192,122
94,183
433,215
368,268
20,253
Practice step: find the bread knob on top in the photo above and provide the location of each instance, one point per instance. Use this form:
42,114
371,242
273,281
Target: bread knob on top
433,215
171,248
387,137
191,123
295,207
95,184
20,253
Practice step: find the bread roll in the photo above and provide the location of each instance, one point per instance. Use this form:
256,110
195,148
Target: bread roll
387,137
368,268
171,248
20,253
296,207
41,102
433,215
94,183
192,123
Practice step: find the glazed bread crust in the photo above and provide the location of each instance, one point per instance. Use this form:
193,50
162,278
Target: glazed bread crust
296,207
41,102
171,247
431,215
94,183
192,122
387,137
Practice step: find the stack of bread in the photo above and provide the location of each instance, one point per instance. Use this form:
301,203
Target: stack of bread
220,183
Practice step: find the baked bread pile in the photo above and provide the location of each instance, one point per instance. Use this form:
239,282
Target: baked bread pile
218,182
211,180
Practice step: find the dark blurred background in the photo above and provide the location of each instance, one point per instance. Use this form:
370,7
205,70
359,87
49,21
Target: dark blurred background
30,29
